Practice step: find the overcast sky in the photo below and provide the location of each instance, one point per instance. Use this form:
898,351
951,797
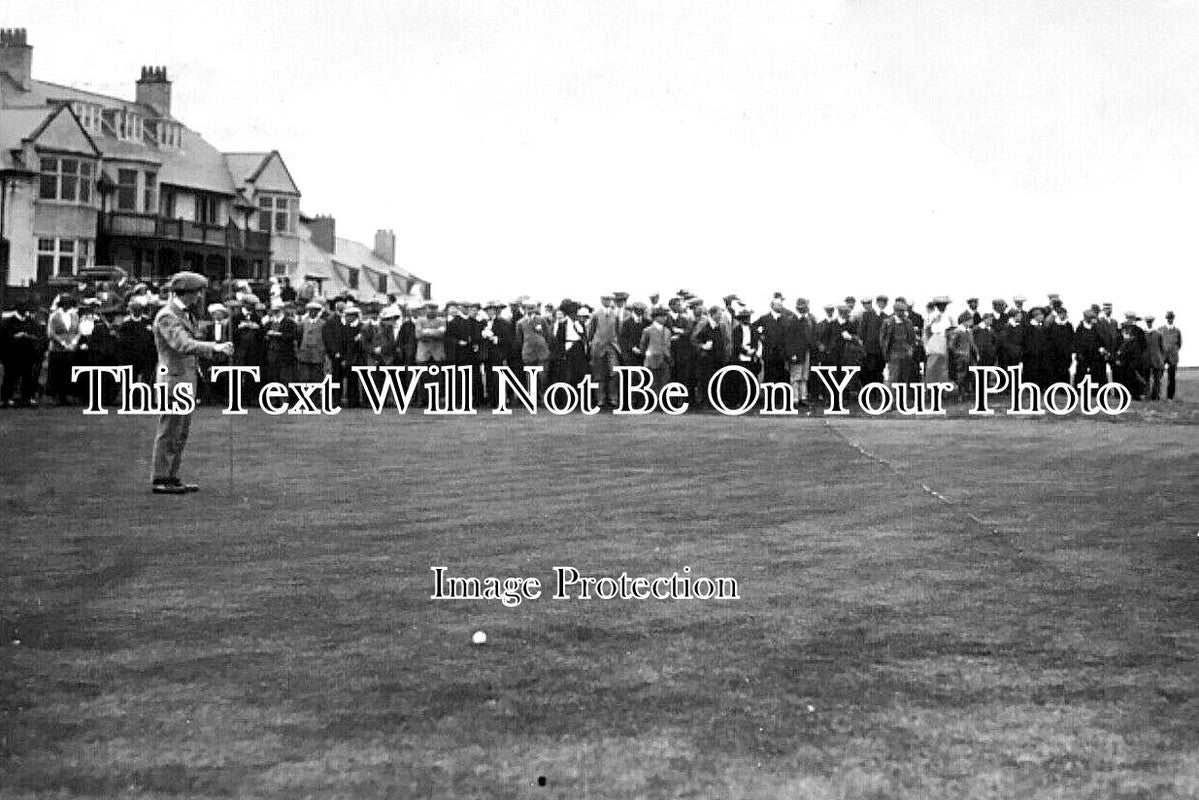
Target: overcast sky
563,149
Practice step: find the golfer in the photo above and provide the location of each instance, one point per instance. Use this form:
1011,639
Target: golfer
178,348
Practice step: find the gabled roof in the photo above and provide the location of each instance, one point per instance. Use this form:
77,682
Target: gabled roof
19,125
244,165
195,164
267,171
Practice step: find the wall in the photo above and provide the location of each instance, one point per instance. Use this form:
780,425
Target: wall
18,228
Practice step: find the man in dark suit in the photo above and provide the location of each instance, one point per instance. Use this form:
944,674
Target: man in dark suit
707,342
1088,348
135,341
495,349
21,353
1171,344
898,340
799,344
870,325
630,334
1128,366
178,349
747,353
1061,345
682,359
249,344
770,331
1010,340
282,335
333,336
1109,332
984,340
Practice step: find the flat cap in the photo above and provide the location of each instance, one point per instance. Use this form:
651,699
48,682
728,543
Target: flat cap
1019,299
882,298
391,312
187,282
314,304
620,295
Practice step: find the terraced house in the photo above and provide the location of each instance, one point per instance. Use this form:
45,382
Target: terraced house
87,179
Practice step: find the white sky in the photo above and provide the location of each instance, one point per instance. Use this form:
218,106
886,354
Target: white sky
564,149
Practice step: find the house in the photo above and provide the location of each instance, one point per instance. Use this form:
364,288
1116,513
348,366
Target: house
88,179
93,179
349,266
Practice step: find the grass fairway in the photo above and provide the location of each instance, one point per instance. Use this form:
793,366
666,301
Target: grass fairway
1032,634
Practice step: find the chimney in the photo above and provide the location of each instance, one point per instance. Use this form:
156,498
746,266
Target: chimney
385,245
154,90
16,57
324,232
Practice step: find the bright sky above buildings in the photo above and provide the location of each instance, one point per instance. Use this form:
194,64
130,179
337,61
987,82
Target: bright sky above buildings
563,149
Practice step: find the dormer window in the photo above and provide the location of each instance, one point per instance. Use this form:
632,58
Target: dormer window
89,115
130,128
170,134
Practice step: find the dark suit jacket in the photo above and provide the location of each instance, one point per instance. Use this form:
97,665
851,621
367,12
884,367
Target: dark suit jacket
499,351
799,337
771,334
708,331
630,340
870,325
740,346
334,336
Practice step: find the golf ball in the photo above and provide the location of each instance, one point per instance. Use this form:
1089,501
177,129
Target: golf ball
479,637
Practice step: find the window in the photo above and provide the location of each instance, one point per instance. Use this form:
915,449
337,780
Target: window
150,193
352,277
62,256
127,190
166,208
277,214
383,284
130,127
89,116
279,268
208,209
170,134
67,179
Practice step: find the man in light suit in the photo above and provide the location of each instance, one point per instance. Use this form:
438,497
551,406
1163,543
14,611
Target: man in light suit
603,332
656,345
178,350
1171,344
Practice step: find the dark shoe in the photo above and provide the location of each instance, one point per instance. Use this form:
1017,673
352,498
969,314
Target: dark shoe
166,487
188,487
